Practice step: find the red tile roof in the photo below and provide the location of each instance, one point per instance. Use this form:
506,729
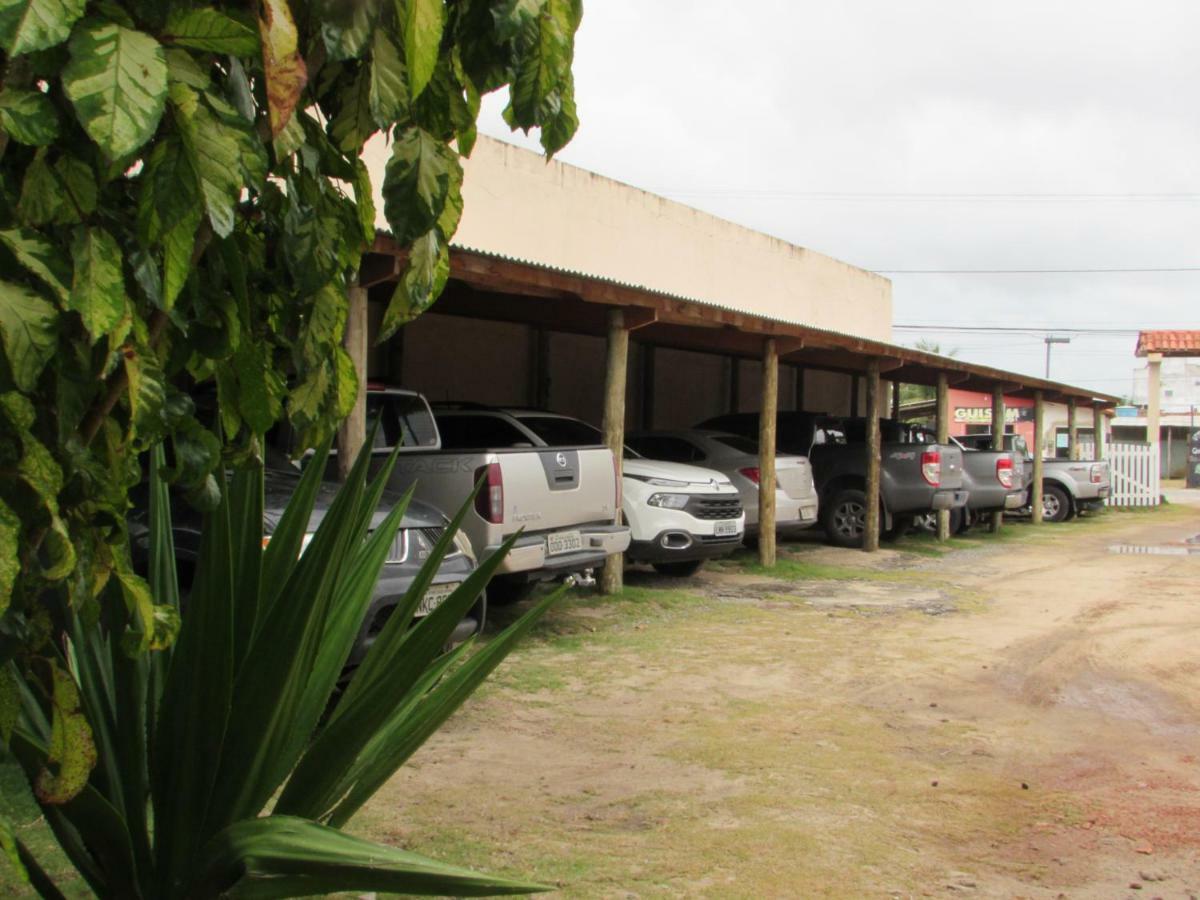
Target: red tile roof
1169,343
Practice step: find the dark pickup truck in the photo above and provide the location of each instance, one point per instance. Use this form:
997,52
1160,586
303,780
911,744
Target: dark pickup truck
420,528
914,478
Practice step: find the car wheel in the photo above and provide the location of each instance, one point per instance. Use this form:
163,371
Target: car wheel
1056,505
679,569
960,521
845,519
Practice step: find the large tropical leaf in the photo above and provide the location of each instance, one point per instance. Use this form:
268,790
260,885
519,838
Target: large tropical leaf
98,288
40,257
282,856
28,116
424,22
117,81
29,330
417,182
210,29
27,25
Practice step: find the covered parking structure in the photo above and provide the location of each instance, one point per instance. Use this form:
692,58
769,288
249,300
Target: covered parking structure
749,350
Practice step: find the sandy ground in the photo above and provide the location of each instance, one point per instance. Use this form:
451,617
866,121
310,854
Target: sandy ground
1015,718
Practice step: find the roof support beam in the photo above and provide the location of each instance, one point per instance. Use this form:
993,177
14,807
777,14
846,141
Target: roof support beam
874,459
769,411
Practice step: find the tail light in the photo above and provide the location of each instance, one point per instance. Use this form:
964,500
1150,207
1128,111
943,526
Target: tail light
1097,474
931,467
489,502
1004,471
752,473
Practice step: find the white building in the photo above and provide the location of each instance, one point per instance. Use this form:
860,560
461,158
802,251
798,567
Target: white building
1180,385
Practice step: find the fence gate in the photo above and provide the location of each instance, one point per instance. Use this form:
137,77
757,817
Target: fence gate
1134,467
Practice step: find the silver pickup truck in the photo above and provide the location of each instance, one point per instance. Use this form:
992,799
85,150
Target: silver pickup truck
563,501
1069,486
996,480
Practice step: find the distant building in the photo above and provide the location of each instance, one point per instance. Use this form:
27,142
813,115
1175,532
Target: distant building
1180,386
1164,415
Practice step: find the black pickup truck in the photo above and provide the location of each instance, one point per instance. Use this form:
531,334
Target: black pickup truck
914,478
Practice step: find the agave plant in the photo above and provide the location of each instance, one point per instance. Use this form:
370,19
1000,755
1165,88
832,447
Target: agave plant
215,766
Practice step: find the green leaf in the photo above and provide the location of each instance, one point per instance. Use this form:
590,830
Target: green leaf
416,183
352,124
72,753
169,211
425,274
147,392
213,149
8,837
512,16
27,25
40,257
389,96
59,194
424,21
209,29
364,198
10,568
347,35
29,117
117,81
98,289
283,856
29,330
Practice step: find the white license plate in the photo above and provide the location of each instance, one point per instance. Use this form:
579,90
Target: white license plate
726,529
434,596
565,542
808,512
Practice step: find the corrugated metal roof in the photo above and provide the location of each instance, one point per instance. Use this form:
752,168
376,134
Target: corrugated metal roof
868,346
1169,343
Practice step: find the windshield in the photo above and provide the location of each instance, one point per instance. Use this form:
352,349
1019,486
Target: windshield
740,444
557,431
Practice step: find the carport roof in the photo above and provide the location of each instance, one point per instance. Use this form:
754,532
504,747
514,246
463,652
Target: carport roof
1168,343
558,299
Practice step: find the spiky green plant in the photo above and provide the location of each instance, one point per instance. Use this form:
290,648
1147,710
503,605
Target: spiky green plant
212,766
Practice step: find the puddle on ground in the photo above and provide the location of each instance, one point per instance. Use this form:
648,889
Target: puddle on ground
1187,547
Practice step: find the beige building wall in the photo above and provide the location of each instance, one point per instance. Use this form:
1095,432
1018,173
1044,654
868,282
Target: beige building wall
519,205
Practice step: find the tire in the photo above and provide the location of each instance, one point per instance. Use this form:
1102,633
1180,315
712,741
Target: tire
1056,505
845,518
679,569
960,521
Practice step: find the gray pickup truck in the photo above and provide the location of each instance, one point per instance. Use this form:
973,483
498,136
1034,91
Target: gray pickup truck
996,480
564,501
1069,486
914,478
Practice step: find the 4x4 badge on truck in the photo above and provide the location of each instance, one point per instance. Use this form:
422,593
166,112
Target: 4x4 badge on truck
561,459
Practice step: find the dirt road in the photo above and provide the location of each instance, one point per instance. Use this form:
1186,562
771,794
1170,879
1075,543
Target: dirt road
1015,718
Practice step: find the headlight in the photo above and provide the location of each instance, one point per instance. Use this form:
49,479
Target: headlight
669,501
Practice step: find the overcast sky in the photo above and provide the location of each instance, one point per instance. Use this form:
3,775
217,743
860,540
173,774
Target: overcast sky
754,110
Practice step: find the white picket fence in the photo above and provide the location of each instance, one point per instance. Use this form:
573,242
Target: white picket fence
1134,469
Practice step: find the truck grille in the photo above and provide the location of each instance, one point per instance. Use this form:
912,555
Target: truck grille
720,507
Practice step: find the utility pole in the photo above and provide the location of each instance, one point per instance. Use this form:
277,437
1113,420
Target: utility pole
1051,339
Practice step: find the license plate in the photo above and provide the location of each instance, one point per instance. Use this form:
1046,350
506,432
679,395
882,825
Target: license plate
434,596
726,529
808,512
566,542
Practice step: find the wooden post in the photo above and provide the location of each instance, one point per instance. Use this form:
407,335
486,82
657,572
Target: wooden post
1072,431
1039,425
943,437
612,580
799,405
648,382
895,401
997,442
855,381
735,384
539,370
352,433
766,453
1098,431
1154,403
871,531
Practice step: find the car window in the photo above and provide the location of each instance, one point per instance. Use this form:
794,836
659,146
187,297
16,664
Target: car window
473,432
557,431
668,449
404,420
740,444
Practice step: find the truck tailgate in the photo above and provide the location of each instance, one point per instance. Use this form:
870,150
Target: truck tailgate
557,488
